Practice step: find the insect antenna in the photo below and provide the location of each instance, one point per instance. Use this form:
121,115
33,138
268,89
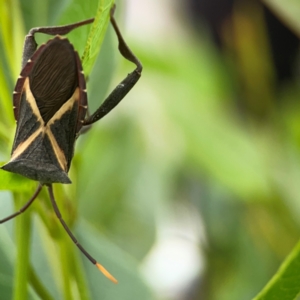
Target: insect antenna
22,209
69,232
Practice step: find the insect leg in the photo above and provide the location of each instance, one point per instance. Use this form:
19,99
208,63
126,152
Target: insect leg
22,209
125,86
73,238
30,44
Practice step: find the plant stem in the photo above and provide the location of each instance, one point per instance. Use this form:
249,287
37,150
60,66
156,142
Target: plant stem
65,268
80,277
38,286
23,233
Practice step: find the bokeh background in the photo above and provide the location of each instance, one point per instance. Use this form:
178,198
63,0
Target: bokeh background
190,188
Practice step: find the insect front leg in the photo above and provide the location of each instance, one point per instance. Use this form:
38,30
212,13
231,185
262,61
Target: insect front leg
30,44
125,86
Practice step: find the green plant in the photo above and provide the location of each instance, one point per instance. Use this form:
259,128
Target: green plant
38,259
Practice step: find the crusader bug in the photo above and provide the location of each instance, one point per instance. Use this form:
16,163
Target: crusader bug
50,106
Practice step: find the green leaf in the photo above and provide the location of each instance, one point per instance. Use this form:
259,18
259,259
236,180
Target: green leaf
96,35
285,285
85,40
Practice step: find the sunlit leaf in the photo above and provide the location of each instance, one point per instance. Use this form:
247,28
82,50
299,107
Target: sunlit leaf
285,285
96,35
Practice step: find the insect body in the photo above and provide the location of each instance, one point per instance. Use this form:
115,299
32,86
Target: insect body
49,107
50,104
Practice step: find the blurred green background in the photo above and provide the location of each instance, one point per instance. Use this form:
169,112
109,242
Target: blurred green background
190,188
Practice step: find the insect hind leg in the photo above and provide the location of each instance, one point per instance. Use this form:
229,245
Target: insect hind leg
30,44
124,86
73,238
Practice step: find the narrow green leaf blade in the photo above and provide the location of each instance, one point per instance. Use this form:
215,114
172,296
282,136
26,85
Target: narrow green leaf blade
96,35
285,285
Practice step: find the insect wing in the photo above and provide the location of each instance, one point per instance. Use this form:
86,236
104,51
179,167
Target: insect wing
49,105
